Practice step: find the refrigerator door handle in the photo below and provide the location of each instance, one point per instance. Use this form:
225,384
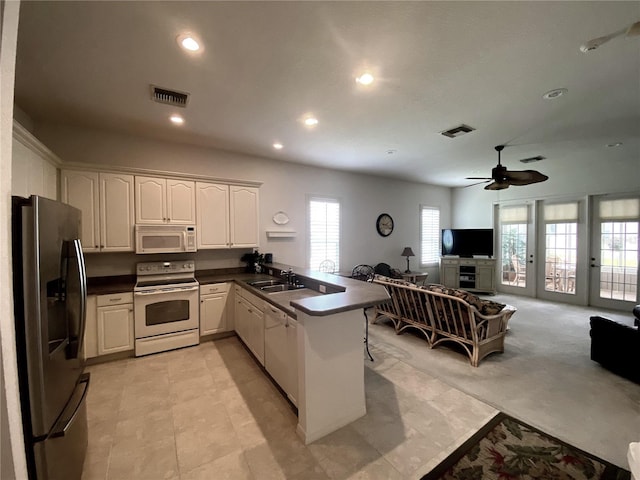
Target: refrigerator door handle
82,273
60,432
75,346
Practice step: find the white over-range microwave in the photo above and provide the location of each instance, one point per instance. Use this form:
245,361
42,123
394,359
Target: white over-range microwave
165,238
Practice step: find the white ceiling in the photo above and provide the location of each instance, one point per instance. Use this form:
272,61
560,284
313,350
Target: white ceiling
266,64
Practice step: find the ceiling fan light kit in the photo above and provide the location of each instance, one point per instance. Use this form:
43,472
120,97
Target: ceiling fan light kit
504,178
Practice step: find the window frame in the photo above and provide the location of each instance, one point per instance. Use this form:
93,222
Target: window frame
436,253
323,199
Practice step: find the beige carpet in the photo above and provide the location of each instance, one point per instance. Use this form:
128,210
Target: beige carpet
545,377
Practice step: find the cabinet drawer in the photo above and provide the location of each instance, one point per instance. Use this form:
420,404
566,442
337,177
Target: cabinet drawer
253,299
115,299
213,288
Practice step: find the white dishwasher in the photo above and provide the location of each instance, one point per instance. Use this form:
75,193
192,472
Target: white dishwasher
281,350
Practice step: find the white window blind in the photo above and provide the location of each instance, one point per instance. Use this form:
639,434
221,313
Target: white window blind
429,235
621,209
324,231
514,214
561,212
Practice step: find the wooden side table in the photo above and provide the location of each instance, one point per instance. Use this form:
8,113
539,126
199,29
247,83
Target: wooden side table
415,277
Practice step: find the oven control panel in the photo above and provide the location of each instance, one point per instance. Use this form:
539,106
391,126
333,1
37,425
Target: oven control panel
165,268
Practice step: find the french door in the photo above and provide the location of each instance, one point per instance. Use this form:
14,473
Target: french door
614,258
561,273
581,251
516,237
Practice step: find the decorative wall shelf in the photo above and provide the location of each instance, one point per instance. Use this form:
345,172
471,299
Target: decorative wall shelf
281,233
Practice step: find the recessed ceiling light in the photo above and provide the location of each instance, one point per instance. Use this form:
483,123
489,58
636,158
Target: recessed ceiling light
176,119
278,146
365,79
188,42
552,94
311,121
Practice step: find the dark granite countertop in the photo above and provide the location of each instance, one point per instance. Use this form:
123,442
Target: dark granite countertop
342,294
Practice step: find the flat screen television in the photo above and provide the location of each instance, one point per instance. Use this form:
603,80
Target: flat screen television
467,242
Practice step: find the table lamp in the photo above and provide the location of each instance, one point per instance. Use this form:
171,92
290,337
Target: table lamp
407,252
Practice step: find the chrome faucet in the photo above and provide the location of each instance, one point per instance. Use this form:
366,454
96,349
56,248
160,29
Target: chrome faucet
291,277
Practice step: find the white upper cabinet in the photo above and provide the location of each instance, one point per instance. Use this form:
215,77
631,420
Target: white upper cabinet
34,168
212,208
244,216
162,201
80,189
116,212
181,202
106,203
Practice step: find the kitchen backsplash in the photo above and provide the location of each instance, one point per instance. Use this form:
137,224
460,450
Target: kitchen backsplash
124,263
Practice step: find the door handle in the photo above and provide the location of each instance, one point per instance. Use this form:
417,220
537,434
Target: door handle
60,432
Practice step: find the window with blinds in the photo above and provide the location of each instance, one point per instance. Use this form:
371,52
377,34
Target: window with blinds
429,235
324,231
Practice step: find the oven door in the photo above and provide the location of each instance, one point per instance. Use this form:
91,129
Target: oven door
165,310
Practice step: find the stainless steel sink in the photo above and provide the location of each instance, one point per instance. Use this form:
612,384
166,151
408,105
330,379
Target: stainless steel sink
280,288
266,283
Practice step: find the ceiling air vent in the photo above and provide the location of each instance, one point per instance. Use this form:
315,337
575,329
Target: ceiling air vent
537,158
170,97
457,131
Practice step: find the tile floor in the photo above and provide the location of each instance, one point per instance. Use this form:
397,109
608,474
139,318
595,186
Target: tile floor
209,412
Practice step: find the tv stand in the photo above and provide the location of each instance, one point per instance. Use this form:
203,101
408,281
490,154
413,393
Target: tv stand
472,274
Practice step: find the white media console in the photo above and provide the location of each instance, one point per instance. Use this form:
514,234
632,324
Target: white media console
472,274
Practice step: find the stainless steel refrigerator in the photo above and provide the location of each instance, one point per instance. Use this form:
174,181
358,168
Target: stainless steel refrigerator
50,311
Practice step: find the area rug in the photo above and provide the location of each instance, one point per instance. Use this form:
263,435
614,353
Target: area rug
508,449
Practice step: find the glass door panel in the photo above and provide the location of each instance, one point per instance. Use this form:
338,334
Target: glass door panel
614,259
516,236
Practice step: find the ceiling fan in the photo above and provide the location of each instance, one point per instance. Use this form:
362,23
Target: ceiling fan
503,178
632,30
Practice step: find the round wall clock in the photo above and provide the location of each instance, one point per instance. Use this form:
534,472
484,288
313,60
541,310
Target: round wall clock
384,224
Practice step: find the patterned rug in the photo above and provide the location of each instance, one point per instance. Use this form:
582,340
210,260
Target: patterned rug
507,449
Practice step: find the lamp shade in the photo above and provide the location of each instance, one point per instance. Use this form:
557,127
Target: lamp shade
407,252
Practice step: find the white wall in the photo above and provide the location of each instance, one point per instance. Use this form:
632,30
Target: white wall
12,458
285,187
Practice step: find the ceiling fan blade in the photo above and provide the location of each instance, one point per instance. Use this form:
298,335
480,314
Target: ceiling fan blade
632,30
485,180
497,186
478,178
524,177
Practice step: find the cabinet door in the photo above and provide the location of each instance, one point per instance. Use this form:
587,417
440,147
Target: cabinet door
91,329
451,276
292,360
115,328
212,313
485,278
151,200
242,320
256,333
116,212
212,208
80,190
181,202
276,351
243,216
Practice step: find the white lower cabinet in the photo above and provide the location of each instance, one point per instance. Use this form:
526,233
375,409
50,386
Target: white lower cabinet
115,323
214,313
280,350
249,322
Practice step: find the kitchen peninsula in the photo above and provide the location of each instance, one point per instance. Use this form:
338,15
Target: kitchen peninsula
330,359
